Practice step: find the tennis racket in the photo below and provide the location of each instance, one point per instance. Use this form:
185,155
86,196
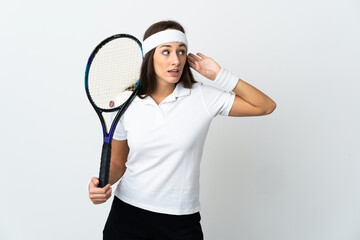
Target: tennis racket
112,78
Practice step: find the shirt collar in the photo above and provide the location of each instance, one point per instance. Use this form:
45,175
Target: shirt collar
179,91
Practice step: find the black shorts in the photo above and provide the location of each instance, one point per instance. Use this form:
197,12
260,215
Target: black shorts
127,222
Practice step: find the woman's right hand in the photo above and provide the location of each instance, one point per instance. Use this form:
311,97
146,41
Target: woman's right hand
96,194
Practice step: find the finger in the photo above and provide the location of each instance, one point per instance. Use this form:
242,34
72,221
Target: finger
98,201
191,60
201,55
101,197
108,193
194,65
191,65
98,197
196,58
95,181
191,56
104,189
97,190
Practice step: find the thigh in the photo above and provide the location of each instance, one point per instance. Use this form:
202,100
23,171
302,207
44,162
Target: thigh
184,227
125,222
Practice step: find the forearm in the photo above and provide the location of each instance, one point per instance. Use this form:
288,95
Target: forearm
116,172
254,96
119,155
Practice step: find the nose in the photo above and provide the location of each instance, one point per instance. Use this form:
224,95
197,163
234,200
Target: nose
175,59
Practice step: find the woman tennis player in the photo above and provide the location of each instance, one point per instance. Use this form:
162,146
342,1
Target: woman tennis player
158,143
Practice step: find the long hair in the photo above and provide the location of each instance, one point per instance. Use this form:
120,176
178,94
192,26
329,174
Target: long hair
147,73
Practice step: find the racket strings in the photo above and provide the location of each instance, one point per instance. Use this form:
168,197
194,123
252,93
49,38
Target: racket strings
114,72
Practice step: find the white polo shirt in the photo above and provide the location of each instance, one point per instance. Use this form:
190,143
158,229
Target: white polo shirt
166,143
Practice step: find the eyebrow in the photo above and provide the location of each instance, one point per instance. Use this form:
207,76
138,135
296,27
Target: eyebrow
181,45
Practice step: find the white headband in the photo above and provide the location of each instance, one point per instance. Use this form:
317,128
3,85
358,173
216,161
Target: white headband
162,37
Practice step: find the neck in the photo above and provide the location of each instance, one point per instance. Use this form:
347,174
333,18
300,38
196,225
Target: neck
163,89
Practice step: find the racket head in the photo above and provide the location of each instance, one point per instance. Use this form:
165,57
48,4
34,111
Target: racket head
113,72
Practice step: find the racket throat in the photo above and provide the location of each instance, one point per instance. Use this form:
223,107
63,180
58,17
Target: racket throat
107,139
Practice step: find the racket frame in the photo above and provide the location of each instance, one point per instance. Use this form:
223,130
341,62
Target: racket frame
108,135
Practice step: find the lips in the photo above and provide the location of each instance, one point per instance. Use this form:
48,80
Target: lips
174,72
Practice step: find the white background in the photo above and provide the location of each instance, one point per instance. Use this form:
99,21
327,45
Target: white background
291,175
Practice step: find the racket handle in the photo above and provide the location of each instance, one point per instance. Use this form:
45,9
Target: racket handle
105,165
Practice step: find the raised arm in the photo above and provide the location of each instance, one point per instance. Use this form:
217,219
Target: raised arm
249,101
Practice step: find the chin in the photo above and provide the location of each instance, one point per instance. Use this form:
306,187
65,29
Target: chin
174,80
177,80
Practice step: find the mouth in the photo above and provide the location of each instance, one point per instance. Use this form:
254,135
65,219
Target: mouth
174,72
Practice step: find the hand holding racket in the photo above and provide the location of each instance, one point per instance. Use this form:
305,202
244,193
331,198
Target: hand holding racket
96,194
112,78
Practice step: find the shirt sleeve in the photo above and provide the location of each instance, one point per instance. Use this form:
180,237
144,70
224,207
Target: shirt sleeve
217,101
120,132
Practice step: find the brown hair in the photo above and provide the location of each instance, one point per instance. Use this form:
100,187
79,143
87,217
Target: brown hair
147,73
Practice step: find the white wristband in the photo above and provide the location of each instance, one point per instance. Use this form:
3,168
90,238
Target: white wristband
226,80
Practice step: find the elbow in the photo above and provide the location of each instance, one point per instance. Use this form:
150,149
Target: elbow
270,109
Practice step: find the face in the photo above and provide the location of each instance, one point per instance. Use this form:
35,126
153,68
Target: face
169,62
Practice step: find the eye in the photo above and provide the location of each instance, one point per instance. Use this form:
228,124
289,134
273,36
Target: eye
166,52
182,52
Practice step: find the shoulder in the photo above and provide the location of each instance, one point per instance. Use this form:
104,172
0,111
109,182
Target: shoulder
208,89
201,85
197,86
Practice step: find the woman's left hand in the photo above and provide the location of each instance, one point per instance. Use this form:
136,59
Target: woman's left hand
204,65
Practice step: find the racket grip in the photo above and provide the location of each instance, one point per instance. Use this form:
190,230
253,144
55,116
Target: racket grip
105,165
